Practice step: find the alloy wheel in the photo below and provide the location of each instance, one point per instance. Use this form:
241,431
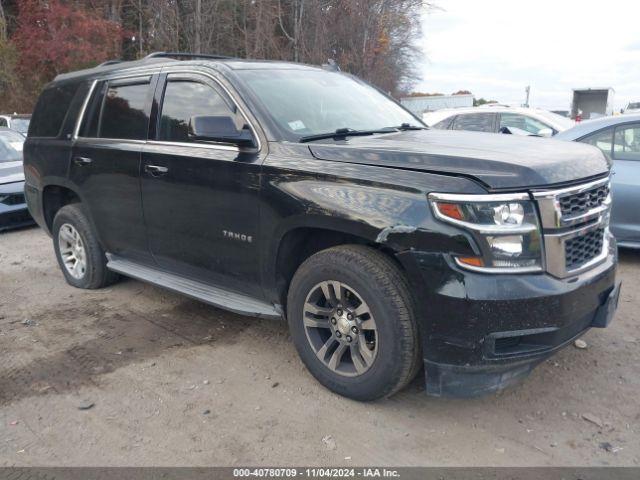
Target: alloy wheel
340,328
72,251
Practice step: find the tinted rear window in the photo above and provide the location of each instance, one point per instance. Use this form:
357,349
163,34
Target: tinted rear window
123,113
118,111
51,110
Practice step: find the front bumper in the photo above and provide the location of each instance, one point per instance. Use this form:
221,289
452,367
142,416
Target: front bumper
483,332
13,209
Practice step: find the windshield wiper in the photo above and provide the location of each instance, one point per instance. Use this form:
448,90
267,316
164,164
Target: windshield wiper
346,132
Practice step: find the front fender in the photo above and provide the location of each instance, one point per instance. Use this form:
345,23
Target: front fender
383,206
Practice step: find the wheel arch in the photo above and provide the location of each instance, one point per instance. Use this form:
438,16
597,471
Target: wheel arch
54,197
297,243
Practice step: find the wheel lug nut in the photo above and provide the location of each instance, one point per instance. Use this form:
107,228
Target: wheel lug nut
333,321
354,330
349,338
350,316
339,312
338,334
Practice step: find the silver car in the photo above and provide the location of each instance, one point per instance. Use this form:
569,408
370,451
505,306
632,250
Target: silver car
619,138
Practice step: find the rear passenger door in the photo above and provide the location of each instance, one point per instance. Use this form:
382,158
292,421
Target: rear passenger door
105,162
201,199
475,122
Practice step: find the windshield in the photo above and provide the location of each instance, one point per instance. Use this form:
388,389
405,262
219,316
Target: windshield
311,102
20,125
10,146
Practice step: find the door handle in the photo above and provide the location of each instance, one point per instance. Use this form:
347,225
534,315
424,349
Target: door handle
156,170
80,161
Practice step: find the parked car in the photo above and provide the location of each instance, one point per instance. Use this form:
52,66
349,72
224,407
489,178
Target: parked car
13,208
17,122
499,119
284,190
632,107
619,138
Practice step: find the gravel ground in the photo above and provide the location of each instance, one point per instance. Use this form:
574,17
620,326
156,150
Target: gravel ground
135,375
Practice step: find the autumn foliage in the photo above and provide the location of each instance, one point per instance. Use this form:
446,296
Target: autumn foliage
376,40
53,37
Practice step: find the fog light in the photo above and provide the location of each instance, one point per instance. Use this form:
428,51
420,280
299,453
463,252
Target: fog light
506,245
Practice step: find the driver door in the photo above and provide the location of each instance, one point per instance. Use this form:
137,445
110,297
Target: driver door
200,199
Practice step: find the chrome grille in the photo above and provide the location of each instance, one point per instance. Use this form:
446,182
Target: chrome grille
582,249
575,224
581,202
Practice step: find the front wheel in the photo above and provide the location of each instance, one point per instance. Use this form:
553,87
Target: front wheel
352,321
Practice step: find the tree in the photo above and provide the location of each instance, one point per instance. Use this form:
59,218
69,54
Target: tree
481,101
374,39
54,37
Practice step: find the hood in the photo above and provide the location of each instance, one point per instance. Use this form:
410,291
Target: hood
11,172
497,161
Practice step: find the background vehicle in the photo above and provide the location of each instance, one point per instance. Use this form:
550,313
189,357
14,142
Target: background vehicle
632,107
619,138
492,118
13,208
277,189
590,103
17,122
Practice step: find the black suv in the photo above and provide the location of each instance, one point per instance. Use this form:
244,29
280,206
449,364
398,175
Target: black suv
284,190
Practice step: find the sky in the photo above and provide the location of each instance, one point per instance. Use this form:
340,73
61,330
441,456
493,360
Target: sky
495,48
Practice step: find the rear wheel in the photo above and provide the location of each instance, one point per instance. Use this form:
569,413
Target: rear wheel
352,321
80,256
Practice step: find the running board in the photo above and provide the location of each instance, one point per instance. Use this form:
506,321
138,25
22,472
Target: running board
218,297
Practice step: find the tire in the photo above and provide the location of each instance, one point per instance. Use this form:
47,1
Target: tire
78,232
374,363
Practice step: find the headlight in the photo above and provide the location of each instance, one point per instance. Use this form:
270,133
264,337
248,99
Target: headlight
505,227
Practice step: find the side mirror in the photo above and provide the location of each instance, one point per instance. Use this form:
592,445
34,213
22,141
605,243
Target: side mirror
219,129
545,132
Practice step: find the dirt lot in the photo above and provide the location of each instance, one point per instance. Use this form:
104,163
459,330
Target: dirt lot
176,382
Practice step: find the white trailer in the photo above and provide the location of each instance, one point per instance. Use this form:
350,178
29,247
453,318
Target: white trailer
589,103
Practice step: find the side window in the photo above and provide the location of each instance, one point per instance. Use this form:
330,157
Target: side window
477,122
117,111
602,139
523,122
443,124
89,127
51,110
123,112
626,142
3,122
184,99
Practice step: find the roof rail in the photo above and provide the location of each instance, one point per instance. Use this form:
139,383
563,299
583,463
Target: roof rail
331,65
109,62
179,55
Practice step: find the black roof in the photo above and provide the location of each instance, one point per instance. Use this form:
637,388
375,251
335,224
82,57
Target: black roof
163,58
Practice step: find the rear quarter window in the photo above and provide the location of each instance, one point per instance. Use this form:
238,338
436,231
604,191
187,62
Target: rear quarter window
51,110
